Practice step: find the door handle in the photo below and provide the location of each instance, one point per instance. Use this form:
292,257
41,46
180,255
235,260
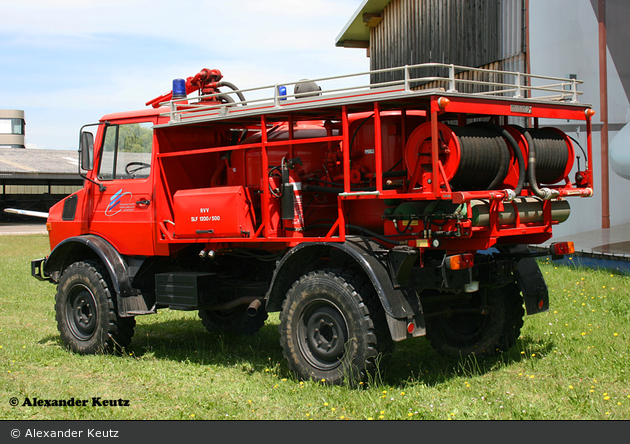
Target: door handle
143,202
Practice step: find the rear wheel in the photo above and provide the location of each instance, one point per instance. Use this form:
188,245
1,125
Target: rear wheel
86,313
489,322
333,328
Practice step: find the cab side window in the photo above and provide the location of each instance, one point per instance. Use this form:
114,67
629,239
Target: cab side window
126,151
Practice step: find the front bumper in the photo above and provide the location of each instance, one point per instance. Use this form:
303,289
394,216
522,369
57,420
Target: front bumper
37,269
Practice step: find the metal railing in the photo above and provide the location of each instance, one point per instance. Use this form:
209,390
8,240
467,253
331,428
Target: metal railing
337,90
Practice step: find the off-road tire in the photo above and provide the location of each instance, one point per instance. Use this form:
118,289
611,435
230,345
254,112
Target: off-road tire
235,321
86,311
462,334
333,328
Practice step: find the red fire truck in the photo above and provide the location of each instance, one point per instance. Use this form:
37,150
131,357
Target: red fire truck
364,214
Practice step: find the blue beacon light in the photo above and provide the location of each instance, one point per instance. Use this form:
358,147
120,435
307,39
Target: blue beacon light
179,89
282,92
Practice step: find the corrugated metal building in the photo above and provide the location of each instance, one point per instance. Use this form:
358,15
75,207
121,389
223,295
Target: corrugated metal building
478,33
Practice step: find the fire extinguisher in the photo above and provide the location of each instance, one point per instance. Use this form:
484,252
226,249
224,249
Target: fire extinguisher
292,211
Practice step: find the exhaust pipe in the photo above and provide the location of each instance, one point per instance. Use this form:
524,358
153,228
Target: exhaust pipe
252,310
235,303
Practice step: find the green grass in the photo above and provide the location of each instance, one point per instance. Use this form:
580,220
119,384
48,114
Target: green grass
569,363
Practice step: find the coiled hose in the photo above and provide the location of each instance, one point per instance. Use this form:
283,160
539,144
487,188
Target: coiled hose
484,158
548,158
522,172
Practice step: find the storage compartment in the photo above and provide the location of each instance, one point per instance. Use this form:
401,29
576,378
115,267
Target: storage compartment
181,289
213,212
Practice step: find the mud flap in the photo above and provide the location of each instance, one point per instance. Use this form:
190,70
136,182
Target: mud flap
532,285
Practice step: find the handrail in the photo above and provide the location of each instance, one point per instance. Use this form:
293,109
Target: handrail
510,84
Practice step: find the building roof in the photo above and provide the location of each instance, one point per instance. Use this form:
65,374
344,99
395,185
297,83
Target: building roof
356,33
18,163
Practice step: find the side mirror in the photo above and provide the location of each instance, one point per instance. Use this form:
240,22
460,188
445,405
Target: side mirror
86,150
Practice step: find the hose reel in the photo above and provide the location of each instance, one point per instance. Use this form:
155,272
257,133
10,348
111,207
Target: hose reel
553,150
484,156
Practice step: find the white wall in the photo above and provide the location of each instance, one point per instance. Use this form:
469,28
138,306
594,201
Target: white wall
564,40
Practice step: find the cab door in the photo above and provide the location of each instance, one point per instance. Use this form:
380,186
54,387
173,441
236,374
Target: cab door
123,213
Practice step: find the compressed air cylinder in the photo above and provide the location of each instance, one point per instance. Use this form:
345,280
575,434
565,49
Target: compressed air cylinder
530,210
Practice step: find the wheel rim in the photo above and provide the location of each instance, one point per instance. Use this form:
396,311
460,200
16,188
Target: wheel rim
81,313
323,334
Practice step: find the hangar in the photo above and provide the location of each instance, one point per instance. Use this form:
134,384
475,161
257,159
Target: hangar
32,179
35,179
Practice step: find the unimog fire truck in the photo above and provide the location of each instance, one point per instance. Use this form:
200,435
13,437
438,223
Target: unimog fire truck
365,215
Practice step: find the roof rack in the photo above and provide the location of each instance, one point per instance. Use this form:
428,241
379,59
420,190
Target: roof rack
408,82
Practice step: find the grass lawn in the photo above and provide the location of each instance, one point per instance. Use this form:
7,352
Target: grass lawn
570,363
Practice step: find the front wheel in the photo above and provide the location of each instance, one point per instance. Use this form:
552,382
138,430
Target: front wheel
333,328
85,311
489,322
